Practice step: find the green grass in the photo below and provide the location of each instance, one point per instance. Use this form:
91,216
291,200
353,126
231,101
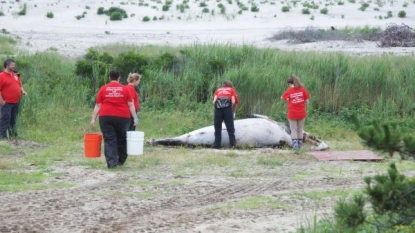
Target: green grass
256,202
23,181
57,112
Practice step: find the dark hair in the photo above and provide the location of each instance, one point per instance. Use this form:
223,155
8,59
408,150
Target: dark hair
7,62
227,83
114,75
295,81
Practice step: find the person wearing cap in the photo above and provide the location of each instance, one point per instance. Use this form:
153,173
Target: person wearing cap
223,100
115,107
11,90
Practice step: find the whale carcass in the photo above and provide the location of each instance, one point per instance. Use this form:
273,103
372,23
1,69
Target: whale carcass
256,132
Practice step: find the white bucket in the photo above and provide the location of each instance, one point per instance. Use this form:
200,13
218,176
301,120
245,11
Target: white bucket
135,142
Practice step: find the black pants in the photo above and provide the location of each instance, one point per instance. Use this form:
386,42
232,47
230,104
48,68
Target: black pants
9,113
114,131
226,115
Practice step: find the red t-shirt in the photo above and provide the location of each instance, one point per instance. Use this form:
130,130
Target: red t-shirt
10,87
227,92
114,98
296,102
236,98
135,96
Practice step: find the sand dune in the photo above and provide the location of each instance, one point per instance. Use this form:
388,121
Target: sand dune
71,36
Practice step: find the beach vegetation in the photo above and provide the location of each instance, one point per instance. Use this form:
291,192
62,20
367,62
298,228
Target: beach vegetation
305,11
202,4
352,1
115,13
340,3
50,15
146,19
23,10
100,11
389,14
254,8
401,14
154,18
165,7
405,4
116,16
324,11
4,31
206,10
285,9
1,13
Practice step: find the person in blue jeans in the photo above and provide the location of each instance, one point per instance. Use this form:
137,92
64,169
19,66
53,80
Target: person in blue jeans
11,90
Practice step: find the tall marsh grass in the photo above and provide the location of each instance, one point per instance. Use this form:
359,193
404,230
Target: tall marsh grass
371,86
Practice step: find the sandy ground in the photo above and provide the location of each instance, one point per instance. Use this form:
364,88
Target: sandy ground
72,37
157,200
110,201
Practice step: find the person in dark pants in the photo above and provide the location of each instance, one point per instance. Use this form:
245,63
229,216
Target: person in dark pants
11,90
115,107
223,101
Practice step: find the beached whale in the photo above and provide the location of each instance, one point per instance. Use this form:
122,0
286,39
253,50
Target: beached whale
256,132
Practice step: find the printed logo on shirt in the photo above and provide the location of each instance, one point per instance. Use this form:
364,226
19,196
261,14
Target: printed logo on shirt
297,97
114,92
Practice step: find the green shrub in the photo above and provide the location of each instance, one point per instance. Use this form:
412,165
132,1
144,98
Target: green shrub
120,13
205,10
202,4
4,31
305,11
146,19
389,14
23,10
131,62
165,7
116,16
254,8
100,11
165,62
1,13
401,14
285,9
49,15
324,11
391,199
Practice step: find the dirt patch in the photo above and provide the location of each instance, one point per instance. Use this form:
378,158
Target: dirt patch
158,200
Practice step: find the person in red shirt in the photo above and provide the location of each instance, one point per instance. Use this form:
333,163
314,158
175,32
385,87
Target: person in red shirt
297,97
223,101
11,90
115,107
133,81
